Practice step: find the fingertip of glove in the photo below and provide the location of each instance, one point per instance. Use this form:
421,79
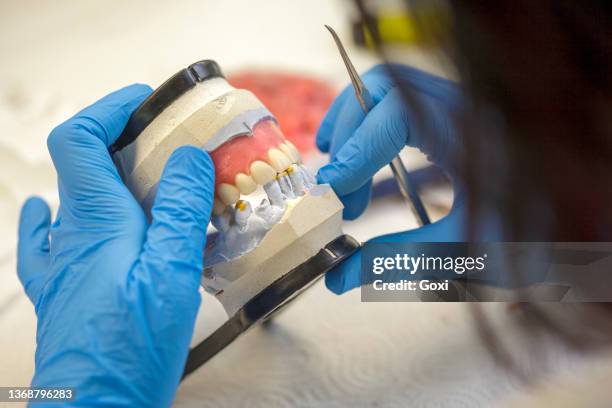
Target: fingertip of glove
352,212
334,281
138,88
321,178
35,205
322,138
328,174
34,211
35,202
193,155
193,162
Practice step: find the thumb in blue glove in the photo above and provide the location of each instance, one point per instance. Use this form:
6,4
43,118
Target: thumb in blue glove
116,298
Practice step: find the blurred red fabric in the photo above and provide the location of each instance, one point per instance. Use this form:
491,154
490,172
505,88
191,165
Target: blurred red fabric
299,102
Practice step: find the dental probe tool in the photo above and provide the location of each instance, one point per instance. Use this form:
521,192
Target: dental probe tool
404,183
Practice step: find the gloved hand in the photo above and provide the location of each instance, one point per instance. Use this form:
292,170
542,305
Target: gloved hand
116,298
360,145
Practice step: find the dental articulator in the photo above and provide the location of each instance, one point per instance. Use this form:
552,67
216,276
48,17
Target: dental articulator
277,229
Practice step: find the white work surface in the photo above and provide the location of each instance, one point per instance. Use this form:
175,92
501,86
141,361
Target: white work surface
323,350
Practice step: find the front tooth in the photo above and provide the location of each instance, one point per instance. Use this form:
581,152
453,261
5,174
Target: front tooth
218,207
278,159
290,150
262,172
227,193
245,183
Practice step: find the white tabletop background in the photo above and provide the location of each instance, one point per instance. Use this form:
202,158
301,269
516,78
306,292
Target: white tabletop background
324,350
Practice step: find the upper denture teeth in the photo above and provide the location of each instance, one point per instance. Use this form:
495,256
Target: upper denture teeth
228,193
245,183
278,159
290,150
262,172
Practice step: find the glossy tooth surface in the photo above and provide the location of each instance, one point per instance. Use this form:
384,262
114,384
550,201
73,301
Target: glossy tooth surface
245,183
218,207
294,152
262,172
288,152
278,159
227,193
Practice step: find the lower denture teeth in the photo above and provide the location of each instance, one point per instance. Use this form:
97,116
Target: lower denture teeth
262,172
274,193
228,193
285,185
245,183
278,160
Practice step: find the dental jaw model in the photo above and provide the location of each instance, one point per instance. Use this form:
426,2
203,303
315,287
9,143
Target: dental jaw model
277,230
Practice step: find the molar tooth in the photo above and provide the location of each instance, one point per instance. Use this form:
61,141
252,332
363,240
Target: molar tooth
278,159
274,193
262,172
245,183
228,193
285,185
218,207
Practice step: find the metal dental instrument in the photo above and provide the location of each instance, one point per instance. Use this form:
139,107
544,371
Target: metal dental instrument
405,185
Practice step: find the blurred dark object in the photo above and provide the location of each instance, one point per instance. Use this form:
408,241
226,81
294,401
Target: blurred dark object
396,27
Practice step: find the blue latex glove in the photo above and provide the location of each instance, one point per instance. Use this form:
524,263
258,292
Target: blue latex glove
116,298
360,145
